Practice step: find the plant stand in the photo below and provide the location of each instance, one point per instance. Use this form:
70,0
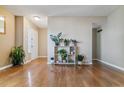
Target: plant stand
72,52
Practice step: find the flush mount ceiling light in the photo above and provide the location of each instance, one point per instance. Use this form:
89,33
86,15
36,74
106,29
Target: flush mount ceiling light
37,18
1,18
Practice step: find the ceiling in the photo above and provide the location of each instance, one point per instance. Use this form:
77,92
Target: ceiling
59,10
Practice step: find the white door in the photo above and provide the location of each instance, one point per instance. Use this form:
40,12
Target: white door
34,44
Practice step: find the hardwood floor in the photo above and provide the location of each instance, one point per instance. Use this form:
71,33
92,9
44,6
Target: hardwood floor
39,74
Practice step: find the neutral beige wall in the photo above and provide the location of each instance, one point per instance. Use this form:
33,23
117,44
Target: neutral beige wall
19,30
79,28
112,39
42,42
7,41
22,27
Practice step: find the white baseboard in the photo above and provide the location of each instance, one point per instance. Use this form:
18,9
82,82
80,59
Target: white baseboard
86,64
42,56
5,67
112,65
34,59
95,59
31,60
8,66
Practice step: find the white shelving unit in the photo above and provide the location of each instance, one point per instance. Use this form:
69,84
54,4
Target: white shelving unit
71,55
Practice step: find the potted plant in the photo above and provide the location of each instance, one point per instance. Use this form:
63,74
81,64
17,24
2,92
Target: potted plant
71,43
63,54
74,42
66,42
17,55
56,39
61,42
80,59
52,59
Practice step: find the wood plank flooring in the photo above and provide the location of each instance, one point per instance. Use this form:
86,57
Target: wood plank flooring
39,74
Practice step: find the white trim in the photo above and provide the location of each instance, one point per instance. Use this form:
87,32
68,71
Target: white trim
95,59
27,61
7,66
31,60
34,59
89,63
42,56
112,65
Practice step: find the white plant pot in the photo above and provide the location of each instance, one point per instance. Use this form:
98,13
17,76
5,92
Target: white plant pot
57,61
52,61
64,61
80,62
61,44
72,53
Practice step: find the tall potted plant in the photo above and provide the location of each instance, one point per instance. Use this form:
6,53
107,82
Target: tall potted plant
17,55
56,39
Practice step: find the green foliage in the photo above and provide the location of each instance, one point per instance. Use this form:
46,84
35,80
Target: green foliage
61,40
80,58
63,54
56,39
66,42
17,55
74,42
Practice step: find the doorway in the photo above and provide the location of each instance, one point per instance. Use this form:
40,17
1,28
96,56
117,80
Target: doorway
34,44
96,42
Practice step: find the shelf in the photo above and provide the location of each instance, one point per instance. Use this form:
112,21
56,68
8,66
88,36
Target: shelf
71,54
65,46
65,63
68,54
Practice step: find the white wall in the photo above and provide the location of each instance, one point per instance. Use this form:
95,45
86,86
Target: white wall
79,28
112,39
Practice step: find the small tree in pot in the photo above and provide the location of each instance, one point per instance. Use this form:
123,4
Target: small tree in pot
80,59
17,55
